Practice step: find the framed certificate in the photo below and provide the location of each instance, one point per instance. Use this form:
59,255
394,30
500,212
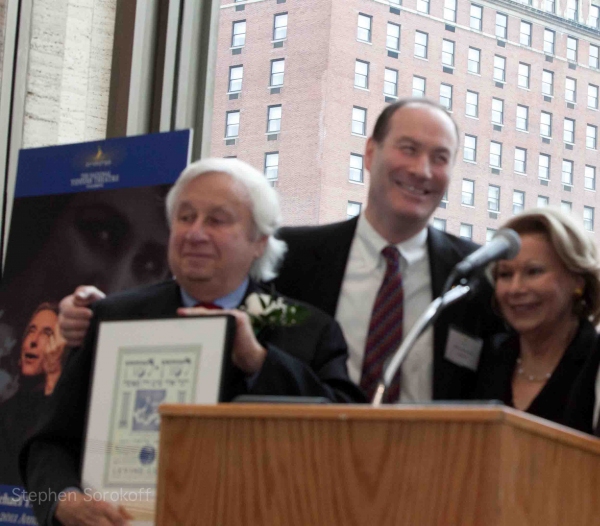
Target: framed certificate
140,364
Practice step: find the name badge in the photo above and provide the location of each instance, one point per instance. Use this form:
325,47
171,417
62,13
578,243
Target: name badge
462,349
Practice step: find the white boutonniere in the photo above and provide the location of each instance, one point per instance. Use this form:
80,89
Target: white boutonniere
269,311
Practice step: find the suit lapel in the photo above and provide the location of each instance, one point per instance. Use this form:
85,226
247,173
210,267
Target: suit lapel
330,259
442,259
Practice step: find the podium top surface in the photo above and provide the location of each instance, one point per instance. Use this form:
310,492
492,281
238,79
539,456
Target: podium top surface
447,412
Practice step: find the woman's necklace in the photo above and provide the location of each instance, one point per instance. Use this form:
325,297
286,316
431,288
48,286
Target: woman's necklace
531,377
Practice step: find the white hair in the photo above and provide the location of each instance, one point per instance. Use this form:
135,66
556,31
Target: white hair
265,208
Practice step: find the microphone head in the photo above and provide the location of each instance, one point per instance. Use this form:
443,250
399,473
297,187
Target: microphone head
512,240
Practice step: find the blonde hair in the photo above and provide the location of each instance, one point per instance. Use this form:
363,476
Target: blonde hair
573,246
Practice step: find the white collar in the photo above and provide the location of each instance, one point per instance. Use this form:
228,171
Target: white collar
411,250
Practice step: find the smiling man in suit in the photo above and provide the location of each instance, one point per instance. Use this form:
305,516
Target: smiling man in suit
342,269
222,215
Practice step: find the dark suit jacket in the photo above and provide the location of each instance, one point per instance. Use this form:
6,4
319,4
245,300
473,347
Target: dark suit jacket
313,364
579,410
314,269
497,368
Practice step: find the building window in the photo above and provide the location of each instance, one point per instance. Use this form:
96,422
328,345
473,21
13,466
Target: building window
466,231
390,83
501,25
589,178
572,49
572,12
236,74
566,207
546,124
591,136
518,201
525,34
439,223
418,89
277,72
468,192
356,171
588,218
474,60
274,119
472,107
272,166
280,25
392,40
595,16
594,59
550,6
493,198
489,234
476,17
353,209
496,154
524,70
238,34
544,166
450,10
570,89
421,44
446,96
498,111
232,124
547,83
567,172
522,118
359,121
361,74
423,6
542,201
470,149
569,131
363,29
549,37
592,96
499,68
448,53
520,160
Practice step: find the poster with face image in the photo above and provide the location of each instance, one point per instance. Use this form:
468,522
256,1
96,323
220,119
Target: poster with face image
90,213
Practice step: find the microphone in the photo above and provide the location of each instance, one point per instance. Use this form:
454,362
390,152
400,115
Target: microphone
504,245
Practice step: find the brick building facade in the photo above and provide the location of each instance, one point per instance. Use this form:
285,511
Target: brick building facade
521,81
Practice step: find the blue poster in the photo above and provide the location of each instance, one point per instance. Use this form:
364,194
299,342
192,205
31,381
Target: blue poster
90,213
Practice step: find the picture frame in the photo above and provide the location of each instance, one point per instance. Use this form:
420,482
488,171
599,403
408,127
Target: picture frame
140,364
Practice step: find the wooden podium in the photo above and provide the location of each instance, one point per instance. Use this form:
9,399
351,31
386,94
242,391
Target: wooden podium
287,465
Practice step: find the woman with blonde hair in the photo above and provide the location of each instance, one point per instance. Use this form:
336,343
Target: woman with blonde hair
549,296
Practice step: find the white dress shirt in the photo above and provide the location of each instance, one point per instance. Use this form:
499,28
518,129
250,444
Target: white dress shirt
364,273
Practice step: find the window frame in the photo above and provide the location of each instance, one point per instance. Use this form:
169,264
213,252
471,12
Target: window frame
276,16
270,119
234,34
231,80
361,170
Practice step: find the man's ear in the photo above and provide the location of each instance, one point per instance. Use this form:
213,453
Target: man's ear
261,246
369,149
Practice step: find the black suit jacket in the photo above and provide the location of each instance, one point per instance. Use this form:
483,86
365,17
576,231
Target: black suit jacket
497,368
313,271
312,364
579,410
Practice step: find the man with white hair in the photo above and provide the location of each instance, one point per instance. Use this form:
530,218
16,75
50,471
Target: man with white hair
222,215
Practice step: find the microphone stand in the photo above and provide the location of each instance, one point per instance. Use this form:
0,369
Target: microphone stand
424,321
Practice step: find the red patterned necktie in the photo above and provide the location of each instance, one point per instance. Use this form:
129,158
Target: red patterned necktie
385,329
